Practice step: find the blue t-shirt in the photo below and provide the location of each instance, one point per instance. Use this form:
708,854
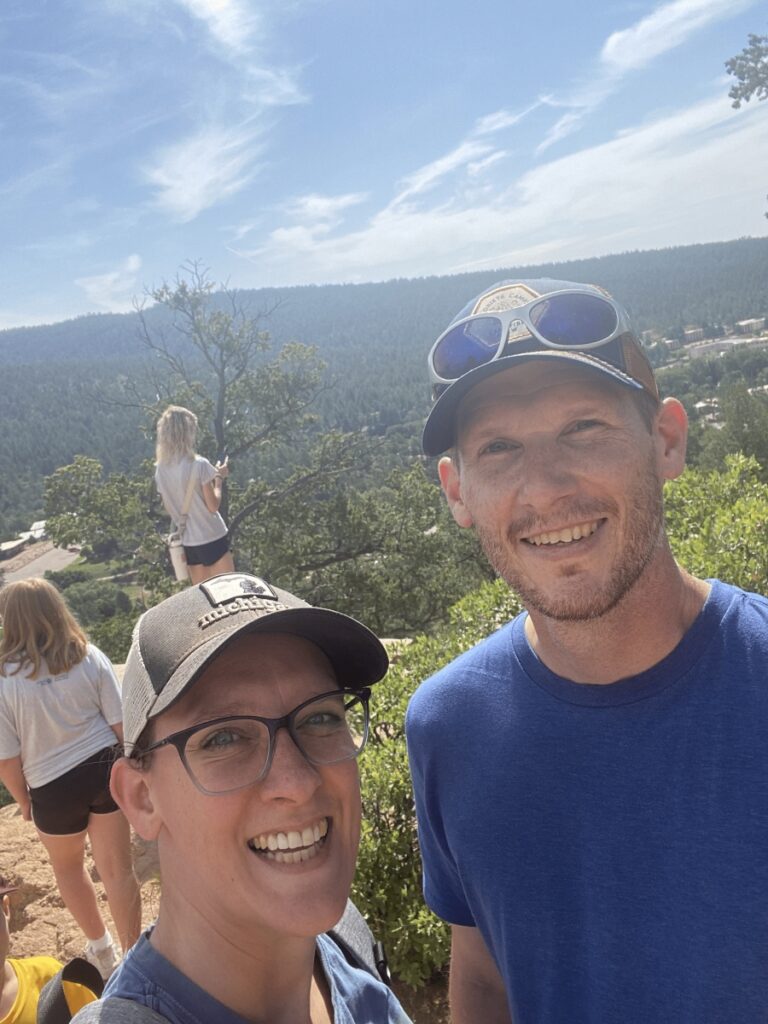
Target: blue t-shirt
610,842
145,976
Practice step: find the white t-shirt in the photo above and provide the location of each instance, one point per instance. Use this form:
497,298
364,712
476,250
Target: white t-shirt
56,722
172,479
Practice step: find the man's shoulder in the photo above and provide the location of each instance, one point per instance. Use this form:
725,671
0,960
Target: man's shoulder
735,602
471,669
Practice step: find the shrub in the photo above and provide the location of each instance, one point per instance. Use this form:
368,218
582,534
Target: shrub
66,577
113,636
94,601
388,882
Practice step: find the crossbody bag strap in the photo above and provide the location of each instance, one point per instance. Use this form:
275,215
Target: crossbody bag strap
356,941
52,1007
187,500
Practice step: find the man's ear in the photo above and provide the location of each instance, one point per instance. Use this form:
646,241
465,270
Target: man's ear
129,785
671,429
450,481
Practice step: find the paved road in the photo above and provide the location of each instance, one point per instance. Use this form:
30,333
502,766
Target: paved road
55,558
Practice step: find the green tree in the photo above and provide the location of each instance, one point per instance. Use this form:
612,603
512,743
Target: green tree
211,354
390,554
96,601
750,69
743,428
108,516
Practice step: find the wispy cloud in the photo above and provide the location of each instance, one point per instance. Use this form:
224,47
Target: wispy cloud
428,176
501,119
643,186
315,207
232,23
629,49
664,29
204,169
115,289
272,87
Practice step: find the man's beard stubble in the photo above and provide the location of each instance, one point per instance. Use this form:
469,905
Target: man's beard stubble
645,504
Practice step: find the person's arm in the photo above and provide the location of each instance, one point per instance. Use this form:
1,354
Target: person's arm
476,989
12,777
212,489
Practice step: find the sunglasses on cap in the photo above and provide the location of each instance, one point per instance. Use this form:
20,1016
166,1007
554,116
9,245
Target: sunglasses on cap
567,320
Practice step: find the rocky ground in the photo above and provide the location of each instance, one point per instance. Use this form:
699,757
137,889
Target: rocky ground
40,924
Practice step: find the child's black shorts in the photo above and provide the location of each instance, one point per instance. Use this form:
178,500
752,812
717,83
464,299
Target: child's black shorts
62,807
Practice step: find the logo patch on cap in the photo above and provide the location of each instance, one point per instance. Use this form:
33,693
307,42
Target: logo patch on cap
223,589
507,296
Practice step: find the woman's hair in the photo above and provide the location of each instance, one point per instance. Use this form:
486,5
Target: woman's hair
176,434
37,624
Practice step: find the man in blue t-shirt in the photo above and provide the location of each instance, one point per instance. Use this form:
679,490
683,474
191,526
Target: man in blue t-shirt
591,780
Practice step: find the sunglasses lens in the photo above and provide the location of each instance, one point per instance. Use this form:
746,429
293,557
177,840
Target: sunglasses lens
467,346
574,321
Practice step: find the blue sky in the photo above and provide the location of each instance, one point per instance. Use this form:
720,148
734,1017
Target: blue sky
296,141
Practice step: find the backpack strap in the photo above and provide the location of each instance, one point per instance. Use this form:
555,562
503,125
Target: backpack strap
52,1007
355,939
114,1010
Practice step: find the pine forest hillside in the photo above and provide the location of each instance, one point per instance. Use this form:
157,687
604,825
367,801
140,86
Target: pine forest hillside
374,338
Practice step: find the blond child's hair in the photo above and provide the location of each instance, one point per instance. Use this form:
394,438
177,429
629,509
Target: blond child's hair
37,625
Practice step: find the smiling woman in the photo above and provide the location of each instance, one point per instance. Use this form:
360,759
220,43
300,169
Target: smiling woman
242,732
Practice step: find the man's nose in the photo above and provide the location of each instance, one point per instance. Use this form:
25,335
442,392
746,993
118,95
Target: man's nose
546,475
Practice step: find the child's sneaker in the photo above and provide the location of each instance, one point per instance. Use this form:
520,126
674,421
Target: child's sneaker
103,955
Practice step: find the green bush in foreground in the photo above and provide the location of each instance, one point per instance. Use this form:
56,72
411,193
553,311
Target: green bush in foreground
388,881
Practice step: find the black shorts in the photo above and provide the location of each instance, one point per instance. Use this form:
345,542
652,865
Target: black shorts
207,554
62,807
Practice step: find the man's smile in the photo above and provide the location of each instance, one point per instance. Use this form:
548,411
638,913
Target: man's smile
565,535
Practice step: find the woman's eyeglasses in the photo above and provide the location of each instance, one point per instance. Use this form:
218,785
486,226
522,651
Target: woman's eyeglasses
230,753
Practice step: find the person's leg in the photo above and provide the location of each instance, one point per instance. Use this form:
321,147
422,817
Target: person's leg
111,848
197,573
224,564
67,854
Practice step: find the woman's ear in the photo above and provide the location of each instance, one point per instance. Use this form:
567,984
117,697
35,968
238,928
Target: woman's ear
131,790
448,472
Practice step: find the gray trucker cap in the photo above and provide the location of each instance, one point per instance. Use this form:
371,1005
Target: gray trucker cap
174,641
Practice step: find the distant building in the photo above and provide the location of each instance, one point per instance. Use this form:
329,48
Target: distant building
38,529
9,548
711,348
692,334
753,326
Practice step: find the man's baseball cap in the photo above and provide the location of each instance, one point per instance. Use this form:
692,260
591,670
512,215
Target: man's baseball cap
174,641
621,357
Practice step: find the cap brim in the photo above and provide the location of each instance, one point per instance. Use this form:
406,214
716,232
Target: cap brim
440,429
357,656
